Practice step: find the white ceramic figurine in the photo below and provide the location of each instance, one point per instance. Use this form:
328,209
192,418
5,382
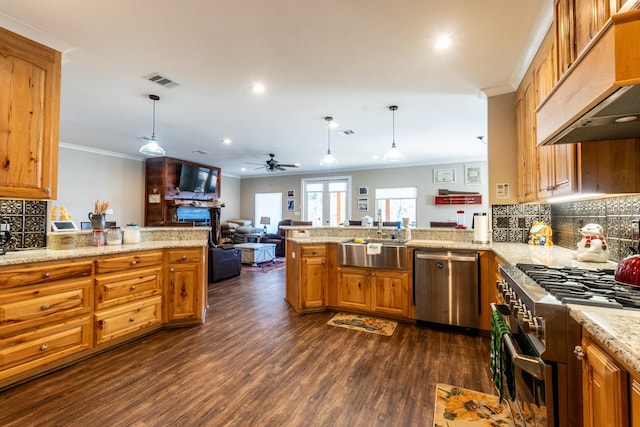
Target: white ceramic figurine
592,247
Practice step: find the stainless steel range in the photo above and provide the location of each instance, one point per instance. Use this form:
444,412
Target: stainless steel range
543,336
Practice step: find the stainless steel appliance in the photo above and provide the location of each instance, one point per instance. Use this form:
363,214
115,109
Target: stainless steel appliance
548,376
446,287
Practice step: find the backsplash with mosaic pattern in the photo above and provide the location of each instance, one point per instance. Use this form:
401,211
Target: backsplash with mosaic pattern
27,220
511,223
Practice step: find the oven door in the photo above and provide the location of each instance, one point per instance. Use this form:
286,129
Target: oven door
532,405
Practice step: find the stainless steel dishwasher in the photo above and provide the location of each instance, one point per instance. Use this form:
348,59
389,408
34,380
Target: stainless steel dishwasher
446,287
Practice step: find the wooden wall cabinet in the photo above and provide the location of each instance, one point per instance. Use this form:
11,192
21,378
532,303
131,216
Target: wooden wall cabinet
30,112
187,291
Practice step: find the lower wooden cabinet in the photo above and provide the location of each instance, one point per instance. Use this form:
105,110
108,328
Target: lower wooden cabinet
307,275
185,298
127,319
605,395
374,290
635,401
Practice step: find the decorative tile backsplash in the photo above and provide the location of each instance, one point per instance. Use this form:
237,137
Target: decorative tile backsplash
511,223
27,223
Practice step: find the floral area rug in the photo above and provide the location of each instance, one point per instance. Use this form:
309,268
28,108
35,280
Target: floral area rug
460,407
364,323
265,267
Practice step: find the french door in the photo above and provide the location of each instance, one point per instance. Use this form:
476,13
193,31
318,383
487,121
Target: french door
326,200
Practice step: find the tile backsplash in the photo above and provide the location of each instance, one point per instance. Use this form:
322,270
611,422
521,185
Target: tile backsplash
27,223
511,223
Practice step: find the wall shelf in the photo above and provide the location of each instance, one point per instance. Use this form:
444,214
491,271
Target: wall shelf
459,199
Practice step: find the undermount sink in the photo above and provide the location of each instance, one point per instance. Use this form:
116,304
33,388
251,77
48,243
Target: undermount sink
377,253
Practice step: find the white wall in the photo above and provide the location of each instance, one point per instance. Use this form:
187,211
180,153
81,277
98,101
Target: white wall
418,176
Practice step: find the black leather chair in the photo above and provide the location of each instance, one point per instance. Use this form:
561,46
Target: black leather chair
278,238
225,261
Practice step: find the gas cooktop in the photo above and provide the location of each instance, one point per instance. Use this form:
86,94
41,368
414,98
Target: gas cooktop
572,285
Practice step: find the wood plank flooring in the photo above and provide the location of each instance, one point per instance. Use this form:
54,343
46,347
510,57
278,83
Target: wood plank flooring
256,363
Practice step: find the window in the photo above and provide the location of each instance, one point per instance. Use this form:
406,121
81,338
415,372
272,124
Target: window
325,200
269,205
397,203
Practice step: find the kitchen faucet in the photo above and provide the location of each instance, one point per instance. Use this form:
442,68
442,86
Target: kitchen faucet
379,222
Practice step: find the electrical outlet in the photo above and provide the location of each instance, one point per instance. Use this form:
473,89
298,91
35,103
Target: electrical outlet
5,226
635,229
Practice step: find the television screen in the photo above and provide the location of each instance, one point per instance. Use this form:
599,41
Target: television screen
198,179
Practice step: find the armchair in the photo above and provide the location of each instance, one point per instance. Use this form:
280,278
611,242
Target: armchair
278,238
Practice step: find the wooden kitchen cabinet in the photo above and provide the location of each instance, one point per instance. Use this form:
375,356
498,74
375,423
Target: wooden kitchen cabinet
527,161
490,274
186,293
634,400
128,296
605,398
30,116
307,276
374,291
44,314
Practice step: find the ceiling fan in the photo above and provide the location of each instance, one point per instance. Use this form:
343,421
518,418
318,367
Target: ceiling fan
272,165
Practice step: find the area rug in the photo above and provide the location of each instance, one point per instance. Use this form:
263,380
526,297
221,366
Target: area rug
265,267
364,323
460,407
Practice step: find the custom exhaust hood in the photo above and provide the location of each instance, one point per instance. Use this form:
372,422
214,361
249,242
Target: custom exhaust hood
599,97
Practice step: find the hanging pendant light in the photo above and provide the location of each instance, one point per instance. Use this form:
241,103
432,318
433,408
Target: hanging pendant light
151,148
393,155
329,159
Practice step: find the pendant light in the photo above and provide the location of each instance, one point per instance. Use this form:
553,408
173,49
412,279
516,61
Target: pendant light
393,155
151,148
329,159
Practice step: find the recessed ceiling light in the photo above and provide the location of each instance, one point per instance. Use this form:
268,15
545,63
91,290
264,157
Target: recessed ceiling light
443,42
258,88
375,157
243,169
226,141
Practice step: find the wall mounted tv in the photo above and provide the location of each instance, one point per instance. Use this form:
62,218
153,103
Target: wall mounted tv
198,179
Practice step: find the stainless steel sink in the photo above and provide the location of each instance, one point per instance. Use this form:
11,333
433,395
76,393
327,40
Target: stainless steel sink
392,253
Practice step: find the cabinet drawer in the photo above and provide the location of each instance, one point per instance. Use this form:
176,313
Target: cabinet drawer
30,306
44,345
120,288
313,250
34,274
126,319
185,256
128,262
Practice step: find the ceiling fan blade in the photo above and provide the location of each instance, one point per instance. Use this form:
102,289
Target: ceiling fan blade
290,166
280,168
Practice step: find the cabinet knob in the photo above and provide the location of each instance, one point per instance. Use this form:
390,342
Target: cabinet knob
134,262
184,257
45,307
132,288
44,347
172,269
132,319
46,274
578,352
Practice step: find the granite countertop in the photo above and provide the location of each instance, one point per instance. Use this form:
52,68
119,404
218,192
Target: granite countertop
617,330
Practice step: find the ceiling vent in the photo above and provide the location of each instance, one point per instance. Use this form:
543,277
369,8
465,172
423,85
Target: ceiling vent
345,132
161,80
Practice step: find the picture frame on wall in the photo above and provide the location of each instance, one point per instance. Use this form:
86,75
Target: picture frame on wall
444,175
472,174
363,204
291,205
363,191
291,193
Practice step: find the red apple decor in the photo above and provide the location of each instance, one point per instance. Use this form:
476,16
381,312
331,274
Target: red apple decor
628,271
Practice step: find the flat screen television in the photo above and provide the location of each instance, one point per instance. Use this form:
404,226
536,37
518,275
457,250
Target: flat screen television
198,179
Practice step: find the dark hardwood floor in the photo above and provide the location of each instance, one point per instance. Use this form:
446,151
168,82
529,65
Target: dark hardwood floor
256,363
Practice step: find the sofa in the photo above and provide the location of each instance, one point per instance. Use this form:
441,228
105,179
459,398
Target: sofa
225,261
279,238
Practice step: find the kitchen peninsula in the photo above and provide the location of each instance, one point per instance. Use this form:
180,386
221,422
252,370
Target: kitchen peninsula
58,306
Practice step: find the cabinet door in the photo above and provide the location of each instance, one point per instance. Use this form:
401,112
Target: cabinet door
564,27
526,153
390,292
184,295
635,402
29,118
313,278
604,389
353,289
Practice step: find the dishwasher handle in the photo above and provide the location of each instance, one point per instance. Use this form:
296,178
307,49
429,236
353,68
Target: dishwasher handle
449,256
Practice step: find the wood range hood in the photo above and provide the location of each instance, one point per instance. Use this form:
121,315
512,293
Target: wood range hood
597,98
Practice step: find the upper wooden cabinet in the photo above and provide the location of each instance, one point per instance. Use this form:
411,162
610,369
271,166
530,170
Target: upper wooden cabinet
29,118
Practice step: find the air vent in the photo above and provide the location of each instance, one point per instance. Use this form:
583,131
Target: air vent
200,152
345,132
162,80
